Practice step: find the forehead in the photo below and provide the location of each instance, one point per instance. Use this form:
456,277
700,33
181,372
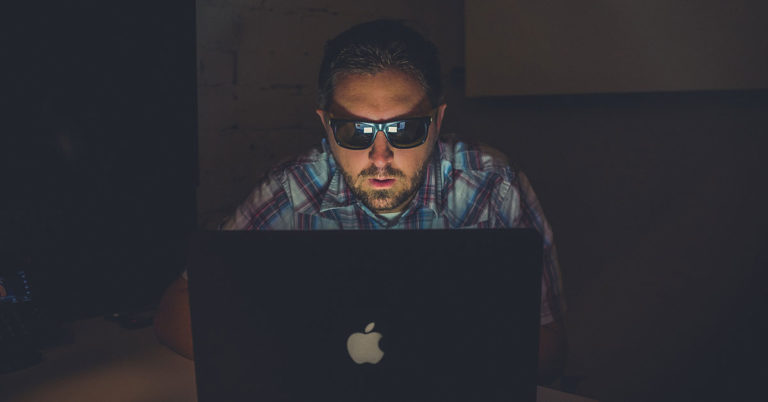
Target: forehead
386,95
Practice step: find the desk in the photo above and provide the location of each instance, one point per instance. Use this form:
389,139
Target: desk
107,363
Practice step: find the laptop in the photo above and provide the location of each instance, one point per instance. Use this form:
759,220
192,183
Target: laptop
430,315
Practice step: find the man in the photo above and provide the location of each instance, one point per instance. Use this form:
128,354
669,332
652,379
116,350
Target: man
381,166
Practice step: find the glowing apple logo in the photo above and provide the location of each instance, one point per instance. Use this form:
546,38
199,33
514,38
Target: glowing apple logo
364,348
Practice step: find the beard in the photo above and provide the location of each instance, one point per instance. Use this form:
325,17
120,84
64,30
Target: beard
379,200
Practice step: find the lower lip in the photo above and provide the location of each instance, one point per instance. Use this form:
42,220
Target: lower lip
381,183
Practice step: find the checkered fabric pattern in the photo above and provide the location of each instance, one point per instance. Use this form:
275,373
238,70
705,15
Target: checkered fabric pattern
465,186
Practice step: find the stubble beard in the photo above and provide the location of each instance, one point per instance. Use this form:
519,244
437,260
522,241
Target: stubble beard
384,199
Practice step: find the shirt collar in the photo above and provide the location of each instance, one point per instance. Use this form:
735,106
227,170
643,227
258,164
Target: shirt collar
337,195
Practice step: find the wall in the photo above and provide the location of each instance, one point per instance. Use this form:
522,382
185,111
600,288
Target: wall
257,75
560,46
656,202
97,152
655,198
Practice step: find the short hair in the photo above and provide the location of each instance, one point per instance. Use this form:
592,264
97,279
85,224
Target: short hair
375,46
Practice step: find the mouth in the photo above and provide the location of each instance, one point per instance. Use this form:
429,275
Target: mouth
381,183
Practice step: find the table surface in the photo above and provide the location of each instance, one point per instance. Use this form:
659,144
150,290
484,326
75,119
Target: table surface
107,363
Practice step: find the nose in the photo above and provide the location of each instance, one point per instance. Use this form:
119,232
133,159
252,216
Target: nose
381,154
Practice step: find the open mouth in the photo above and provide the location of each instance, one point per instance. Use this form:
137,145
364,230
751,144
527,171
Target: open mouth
381,183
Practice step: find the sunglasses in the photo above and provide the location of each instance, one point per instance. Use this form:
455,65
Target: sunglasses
401,134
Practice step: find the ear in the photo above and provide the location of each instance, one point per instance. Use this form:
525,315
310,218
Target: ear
321,113
324,121
440,114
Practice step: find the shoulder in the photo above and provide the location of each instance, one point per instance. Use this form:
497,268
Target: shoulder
474,158
478,182
295,183
316,162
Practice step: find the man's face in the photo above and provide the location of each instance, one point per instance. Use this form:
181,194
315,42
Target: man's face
384,178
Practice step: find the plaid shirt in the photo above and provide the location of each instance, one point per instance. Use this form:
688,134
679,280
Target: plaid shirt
465,187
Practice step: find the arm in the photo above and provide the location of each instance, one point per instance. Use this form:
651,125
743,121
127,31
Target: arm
524,210
172,323
552,351
172,319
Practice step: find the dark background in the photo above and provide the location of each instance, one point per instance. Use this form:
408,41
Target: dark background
657,199
99,155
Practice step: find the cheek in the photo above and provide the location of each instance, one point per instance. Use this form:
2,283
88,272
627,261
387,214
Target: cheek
352,161
409,160
359,163
406,159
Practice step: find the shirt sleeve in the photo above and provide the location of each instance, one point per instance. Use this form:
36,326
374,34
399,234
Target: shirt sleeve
268,207
521,209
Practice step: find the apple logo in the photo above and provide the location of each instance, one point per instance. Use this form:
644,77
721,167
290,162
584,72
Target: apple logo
364,348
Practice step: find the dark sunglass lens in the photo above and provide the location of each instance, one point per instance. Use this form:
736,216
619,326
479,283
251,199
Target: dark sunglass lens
410,133
353,135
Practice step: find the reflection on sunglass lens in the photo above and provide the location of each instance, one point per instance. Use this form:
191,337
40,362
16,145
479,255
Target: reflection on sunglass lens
407,133
353,135
410,133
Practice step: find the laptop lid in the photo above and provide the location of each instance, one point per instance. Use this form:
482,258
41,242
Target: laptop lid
431,315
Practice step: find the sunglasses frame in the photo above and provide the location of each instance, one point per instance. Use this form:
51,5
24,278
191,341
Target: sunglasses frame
426,120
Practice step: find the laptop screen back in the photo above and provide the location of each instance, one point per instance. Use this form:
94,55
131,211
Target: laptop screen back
366,315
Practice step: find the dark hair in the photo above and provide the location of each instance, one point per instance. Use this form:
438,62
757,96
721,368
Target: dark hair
372,47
